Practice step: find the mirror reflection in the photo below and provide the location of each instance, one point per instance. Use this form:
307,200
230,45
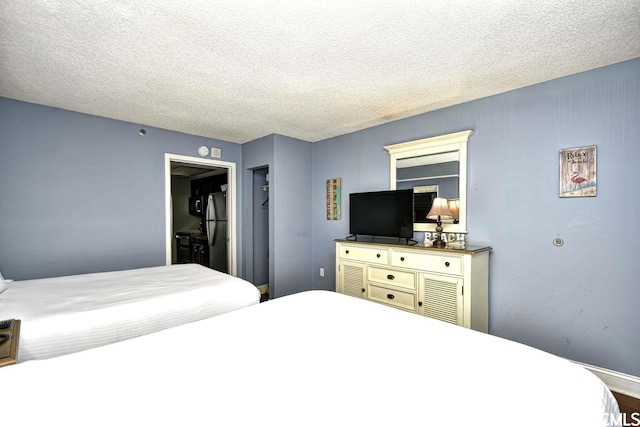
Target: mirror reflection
433,167
430,177
423,197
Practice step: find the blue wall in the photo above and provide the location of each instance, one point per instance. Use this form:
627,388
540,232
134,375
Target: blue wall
81,193
578,301
290,201
290,255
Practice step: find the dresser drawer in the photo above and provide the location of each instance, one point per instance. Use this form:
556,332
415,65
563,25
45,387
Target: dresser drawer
403,279
448,264
364,254
394,298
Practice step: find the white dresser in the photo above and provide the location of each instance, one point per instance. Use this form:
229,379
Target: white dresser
446,284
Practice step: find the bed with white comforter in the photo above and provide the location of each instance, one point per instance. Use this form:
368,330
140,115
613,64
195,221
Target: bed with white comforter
316,358
62,315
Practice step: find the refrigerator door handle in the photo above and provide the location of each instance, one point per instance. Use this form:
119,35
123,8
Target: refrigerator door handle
211,232
211,208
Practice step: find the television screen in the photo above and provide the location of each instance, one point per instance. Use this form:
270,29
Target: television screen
382,213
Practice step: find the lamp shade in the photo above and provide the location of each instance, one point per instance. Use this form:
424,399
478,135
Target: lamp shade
439,209
454,207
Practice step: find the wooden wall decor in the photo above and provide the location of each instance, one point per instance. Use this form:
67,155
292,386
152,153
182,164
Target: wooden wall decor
334,211
578,172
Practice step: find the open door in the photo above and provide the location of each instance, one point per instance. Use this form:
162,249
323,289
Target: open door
195,166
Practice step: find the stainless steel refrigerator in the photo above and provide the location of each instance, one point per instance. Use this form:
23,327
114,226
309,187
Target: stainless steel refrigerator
215,222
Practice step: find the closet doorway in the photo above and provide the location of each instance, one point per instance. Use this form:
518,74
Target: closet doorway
260,223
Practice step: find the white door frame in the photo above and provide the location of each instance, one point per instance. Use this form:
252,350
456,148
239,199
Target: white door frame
231,203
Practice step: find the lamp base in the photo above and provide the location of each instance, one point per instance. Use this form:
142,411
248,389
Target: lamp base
439,243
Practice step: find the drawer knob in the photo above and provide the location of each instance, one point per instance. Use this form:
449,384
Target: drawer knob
391,277
390,296
401,258
378,255
346,252
447,264
362,289
420,303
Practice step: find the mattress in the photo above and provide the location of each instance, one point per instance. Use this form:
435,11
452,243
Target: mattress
315,358
63,315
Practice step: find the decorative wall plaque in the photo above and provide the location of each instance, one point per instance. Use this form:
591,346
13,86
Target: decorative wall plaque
578,172
333,199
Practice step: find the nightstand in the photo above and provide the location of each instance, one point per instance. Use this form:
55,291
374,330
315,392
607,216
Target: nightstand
9,337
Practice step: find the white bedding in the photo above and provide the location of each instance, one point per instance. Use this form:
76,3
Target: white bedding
315,358
63,315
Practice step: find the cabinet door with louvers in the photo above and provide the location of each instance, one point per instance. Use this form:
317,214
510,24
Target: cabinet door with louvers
352,279
441,297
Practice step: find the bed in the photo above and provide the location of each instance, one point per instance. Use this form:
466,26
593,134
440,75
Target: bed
316,358
63,315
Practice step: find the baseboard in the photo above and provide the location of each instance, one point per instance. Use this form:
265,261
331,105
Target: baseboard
616,381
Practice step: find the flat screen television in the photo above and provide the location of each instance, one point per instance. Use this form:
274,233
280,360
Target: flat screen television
381,213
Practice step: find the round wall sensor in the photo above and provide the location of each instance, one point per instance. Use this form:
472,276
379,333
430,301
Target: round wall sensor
203,150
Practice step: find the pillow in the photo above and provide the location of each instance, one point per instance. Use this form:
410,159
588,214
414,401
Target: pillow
3,284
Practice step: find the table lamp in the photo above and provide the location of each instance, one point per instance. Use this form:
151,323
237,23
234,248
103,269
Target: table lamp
439,211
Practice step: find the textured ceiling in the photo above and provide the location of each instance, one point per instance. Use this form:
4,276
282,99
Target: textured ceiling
240,69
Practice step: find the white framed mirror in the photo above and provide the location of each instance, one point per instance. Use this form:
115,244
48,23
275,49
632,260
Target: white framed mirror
432,167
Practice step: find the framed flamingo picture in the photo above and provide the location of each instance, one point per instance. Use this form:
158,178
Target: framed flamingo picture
578,172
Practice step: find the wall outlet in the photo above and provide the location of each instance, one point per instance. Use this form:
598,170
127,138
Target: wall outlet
322,272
